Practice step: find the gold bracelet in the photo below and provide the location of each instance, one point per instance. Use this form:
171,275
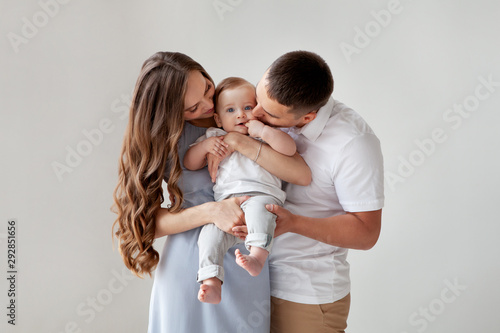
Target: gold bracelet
258,152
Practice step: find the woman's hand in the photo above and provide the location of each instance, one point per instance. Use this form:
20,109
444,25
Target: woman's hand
197,156
213,165
227,214
213,160
215,145
284,219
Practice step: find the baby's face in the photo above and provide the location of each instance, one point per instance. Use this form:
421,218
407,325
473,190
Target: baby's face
234,108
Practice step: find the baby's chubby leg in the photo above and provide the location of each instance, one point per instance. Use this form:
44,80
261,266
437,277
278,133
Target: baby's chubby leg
261,224
213,244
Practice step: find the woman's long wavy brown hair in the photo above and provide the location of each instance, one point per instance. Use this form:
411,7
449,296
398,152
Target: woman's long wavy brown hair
155,125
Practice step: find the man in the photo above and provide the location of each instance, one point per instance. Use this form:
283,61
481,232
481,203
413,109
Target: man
340,209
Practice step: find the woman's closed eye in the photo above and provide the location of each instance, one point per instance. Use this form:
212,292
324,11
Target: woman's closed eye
193,110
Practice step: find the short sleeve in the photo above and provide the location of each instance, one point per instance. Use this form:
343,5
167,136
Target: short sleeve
358,175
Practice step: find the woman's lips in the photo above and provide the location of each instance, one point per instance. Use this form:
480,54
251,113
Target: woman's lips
210,111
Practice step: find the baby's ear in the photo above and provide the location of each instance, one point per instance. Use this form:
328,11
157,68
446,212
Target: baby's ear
217,120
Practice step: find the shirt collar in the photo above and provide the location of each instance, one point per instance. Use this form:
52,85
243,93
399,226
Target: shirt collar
313,129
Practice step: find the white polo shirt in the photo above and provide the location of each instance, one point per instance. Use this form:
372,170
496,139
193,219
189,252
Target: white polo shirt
347,176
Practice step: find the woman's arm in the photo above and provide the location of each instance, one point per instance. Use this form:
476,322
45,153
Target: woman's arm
277,139
225,214
195,157
296,171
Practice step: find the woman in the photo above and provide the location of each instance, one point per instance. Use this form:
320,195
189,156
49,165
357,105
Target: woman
172,106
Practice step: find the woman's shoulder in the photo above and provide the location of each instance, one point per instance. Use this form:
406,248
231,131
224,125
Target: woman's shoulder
190,133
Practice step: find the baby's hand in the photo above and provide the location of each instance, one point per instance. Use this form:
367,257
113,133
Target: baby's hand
255,128
216,145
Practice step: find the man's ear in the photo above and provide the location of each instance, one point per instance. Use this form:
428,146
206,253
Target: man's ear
217,120
307,118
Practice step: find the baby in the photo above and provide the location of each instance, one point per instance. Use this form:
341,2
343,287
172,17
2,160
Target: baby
237,176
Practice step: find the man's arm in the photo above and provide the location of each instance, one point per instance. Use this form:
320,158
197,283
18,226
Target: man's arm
296,171
359,230
356,230
357,176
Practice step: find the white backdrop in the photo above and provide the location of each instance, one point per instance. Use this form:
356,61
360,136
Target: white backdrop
424,74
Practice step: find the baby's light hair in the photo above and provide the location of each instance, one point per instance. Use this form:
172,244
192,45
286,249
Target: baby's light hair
230,83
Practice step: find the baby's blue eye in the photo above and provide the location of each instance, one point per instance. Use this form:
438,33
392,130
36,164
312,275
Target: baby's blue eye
230,110
248,108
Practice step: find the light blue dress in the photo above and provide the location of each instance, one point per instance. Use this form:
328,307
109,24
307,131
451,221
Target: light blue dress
174,305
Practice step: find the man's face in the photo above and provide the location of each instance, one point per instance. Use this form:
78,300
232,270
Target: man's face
271,112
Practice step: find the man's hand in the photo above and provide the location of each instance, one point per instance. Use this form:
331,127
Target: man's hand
255,128
284,219
240,231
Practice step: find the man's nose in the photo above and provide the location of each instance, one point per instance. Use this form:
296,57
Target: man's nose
257,111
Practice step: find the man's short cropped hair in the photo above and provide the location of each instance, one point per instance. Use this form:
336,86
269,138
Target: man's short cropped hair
300,80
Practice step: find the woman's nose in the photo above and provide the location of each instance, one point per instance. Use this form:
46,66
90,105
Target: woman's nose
209,103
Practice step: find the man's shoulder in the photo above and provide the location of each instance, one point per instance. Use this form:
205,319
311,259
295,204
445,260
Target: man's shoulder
346,121
342,127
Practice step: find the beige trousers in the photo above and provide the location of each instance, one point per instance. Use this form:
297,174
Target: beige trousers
290,317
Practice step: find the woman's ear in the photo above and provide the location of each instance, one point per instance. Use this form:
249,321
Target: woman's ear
217,120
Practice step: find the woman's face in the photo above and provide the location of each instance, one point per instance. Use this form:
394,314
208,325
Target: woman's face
198,101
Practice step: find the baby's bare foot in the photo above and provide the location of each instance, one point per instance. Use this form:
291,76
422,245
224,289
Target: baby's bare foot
252,263
210,291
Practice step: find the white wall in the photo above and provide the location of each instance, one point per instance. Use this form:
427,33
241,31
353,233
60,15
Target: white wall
75,68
